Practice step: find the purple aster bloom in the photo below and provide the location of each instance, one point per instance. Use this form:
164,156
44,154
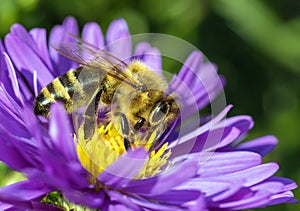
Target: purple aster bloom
205,167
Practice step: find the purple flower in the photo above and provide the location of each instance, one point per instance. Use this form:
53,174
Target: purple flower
202,166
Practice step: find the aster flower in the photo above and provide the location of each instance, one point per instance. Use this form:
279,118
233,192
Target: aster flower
202,166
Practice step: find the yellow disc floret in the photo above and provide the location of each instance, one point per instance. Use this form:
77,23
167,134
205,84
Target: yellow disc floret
106,145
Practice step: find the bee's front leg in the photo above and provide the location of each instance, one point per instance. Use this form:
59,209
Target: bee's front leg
125,130
158,130
139,124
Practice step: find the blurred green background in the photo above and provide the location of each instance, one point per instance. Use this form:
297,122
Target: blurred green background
255,43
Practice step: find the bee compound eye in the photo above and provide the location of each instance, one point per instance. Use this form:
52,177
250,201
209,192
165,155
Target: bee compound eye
159,112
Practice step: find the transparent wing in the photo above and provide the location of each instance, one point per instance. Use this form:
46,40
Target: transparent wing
87,54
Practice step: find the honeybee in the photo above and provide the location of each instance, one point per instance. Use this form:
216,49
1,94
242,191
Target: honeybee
137,95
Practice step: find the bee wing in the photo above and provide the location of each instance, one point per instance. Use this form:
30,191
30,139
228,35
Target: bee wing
87,54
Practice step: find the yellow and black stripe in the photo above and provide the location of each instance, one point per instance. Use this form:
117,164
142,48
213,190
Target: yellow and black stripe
61,89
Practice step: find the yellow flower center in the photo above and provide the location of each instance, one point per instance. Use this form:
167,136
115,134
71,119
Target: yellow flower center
106,145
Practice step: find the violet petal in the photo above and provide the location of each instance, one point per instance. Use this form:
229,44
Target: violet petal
32,123
164,181
60,132
10,155
124,168
13,127
149,205
201,79
243,122
191,65
288,183
92,33
17,49
121,199
40,206
258,199
92,199
19,31
207,186
5,206
285,197
251,176
262,145
149,55
206,127
271,187
39,36
225,163
118,39
21,193
58,35
13,78
209,140
176,197
4,78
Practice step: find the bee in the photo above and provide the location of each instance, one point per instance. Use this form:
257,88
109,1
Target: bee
138,97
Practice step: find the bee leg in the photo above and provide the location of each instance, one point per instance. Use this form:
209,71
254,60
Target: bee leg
159,130
90,116
139,124
125,130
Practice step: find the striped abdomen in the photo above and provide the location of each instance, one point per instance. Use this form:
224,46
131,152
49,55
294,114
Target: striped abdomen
73,89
